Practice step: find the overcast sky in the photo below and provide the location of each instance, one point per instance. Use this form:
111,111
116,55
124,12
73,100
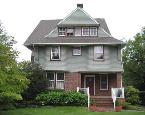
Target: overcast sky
19,17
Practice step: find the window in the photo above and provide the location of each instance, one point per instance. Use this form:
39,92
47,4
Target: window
61,31
55,53
103,82
60,81
77,51
51,80
98,52
55,80
93,31
70,31
85,31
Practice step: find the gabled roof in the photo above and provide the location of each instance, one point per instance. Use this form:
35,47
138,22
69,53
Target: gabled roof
78,17
40,35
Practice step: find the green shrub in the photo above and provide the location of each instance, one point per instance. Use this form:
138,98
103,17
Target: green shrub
7,100
61,98
132,95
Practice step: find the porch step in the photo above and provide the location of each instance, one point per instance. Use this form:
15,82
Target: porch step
103,101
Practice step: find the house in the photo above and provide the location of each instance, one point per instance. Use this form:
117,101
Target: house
78,51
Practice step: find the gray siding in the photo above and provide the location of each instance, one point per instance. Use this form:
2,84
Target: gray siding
83,63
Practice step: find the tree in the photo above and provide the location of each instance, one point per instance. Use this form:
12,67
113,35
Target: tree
134,63
36,75
12,81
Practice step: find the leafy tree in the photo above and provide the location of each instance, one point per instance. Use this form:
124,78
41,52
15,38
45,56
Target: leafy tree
36,75
134,63
12,81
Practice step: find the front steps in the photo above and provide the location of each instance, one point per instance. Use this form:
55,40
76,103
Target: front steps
103,103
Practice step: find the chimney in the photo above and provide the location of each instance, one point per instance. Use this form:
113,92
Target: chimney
79,5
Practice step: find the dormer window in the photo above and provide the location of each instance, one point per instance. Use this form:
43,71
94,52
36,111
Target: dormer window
85,31
62,31
70,31
93,31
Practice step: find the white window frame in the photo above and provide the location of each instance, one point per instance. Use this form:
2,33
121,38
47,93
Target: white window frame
59,80
100,81
98,52
91,28
55,52
52,80
61,31
75,54
83,31
55,80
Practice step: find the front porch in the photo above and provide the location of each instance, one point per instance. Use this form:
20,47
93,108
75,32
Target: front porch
100,84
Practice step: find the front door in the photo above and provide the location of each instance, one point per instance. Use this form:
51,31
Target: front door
89,80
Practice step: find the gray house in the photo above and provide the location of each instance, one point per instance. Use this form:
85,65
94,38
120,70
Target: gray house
78,51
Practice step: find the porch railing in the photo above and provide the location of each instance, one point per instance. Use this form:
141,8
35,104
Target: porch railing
85,91
117,93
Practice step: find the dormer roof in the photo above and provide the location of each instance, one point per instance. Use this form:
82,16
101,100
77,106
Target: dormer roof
78,17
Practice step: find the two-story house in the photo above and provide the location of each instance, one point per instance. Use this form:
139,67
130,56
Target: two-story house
78,51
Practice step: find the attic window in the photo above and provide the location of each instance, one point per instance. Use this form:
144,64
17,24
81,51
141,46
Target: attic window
85,31
62,31
93,31
70,31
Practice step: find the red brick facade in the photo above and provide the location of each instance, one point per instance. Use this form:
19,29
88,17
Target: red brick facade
72,81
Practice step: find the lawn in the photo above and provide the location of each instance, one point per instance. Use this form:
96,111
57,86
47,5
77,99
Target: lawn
64,111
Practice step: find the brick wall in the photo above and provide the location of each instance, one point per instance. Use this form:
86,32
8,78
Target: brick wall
72,81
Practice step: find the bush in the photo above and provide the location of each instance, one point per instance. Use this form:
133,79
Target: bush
142,97
132,95
61,98
7,100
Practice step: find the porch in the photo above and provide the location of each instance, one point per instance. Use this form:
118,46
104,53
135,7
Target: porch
100,84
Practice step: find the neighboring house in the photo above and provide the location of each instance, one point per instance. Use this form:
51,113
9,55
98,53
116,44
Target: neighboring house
78,51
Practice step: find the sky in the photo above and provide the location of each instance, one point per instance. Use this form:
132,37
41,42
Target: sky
124,18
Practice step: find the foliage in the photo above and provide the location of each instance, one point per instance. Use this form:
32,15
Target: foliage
38,81
62,98
134,61
132,95
12,81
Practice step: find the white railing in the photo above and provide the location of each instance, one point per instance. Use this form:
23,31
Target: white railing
117,93
85,91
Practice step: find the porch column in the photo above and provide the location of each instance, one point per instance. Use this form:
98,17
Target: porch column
72,81
119,80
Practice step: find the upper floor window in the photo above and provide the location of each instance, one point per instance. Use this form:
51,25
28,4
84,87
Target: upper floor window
61,31
93,31
85,31
70,31
98,52
55,53
77,51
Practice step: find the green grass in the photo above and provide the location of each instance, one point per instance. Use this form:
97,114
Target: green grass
64,111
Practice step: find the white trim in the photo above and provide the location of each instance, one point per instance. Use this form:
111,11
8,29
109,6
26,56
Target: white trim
59,80
100,81
67,16
93,28
74,11
83,31
85,81
105,32
77,43
89,16
58,52
50,32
